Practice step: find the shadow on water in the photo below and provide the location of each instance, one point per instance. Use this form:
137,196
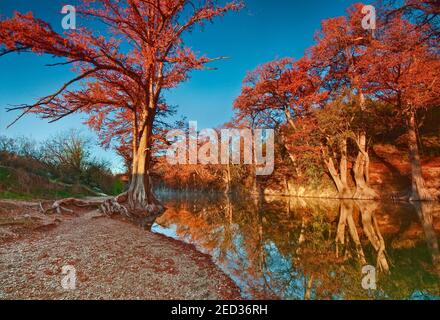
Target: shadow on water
292,248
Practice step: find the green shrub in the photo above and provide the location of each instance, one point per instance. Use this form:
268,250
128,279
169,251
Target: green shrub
117,188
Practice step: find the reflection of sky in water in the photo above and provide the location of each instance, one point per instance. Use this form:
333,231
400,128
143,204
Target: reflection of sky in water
276,275
227,264
278,268
281,269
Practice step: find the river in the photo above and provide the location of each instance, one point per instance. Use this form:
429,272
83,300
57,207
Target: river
291,248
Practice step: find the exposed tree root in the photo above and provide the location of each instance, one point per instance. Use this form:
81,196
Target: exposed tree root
365,193
112,206
60,206
108,206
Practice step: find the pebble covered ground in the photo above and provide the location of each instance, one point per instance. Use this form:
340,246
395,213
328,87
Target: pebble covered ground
113,259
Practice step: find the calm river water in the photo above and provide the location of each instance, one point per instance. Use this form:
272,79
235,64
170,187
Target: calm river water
289,248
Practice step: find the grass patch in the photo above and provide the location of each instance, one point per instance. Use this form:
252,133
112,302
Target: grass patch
7,177
15,195
4,173
41,194
59,194
32,187
117,188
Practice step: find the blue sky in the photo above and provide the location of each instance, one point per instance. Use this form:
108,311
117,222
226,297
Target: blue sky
263,31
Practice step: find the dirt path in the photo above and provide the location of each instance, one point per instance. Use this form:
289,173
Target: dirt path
113,260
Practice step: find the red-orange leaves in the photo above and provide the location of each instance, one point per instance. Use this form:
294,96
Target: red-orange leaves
401,68
121,71
278,91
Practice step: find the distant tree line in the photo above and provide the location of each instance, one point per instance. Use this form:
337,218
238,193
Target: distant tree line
65,158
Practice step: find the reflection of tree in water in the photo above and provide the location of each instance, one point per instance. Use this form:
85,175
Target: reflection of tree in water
371,230
346,220
370,227
425,212
286,248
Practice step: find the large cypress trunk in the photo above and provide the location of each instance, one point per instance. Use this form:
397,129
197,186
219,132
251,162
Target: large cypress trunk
340,178
227,179
136,192
140,193
361,168
361,171
419,192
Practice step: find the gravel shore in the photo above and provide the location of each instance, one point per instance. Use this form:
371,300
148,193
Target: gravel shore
112,259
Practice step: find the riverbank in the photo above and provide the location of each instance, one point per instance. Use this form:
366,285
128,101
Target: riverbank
390,178
113,259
